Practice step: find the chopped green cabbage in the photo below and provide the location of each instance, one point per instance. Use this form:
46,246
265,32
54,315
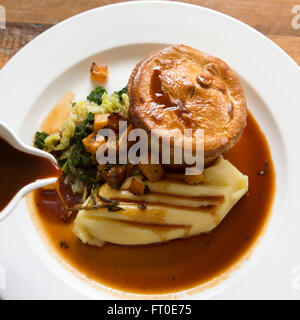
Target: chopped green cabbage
125,100
112,103
67,144
96,95
80,111
39,140
51,142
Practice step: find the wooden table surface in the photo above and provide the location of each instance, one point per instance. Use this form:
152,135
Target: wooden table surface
25,19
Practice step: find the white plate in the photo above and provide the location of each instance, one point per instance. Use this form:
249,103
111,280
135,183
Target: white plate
119,36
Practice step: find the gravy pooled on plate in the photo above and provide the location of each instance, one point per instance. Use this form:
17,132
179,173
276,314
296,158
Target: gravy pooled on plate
139,229
179,264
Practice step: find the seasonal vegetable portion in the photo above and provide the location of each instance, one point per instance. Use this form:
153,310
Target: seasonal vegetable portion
76,143
39,140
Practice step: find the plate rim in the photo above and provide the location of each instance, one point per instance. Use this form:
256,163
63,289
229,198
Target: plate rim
6,68
141,2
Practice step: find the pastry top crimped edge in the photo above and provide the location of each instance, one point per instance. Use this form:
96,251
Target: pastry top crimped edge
212,148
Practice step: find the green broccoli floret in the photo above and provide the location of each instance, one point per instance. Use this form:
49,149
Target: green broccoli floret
119,93
85,159
88,175
83,129
39,140
96,95
79,158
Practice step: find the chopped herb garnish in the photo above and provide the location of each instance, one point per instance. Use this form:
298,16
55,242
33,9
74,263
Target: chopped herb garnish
116,203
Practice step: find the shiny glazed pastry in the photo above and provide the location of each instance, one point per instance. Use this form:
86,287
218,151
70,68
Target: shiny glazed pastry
182,88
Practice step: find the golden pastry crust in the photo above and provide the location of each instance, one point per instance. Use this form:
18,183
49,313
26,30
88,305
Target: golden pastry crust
182,88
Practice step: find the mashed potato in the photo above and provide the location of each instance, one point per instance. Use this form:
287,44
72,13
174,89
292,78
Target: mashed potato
172,209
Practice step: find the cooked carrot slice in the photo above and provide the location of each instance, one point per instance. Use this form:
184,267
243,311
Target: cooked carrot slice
92,142
99,73
100,121
59,114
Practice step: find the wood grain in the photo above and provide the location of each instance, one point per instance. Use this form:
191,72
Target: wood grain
28,18
290,44
267,16
16,36
48,11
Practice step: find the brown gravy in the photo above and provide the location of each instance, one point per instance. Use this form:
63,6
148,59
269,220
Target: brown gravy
161,98
179,264
17,169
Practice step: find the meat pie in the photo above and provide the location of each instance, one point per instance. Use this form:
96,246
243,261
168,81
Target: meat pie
180,88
